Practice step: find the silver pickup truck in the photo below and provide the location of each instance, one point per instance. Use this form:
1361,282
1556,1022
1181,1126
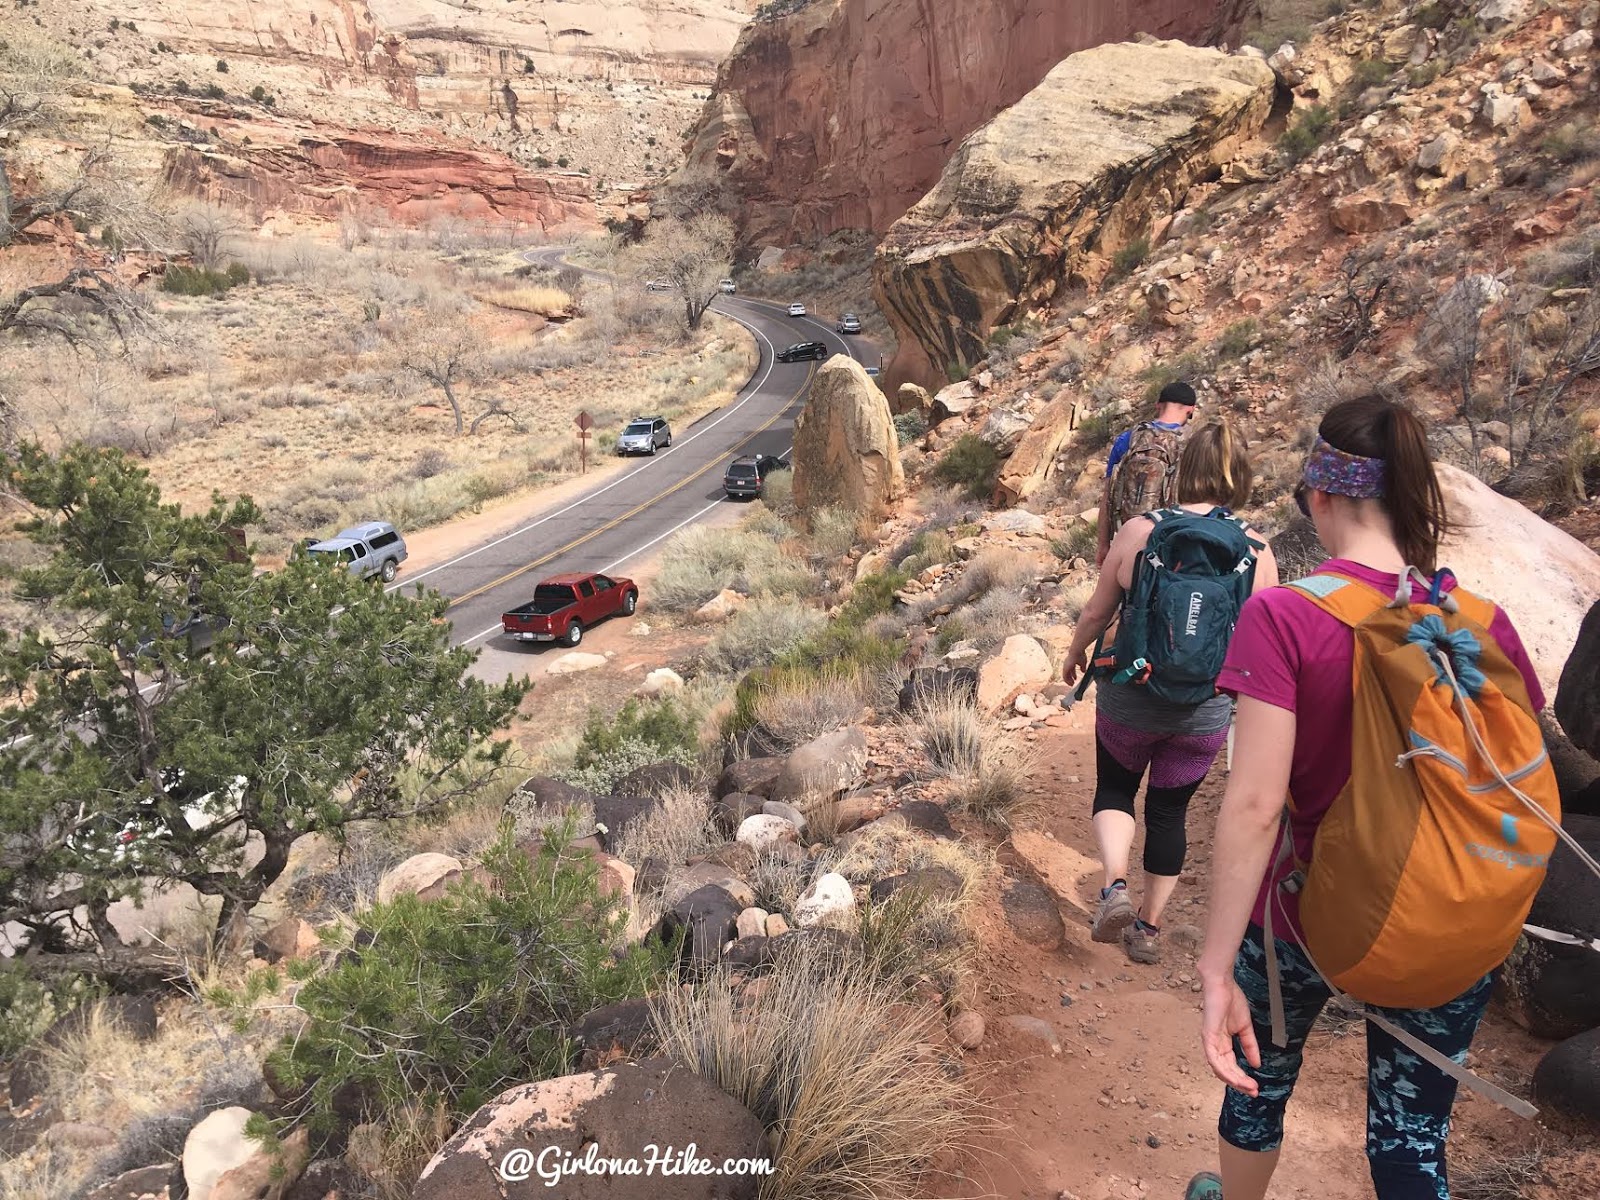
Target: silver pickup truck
375,548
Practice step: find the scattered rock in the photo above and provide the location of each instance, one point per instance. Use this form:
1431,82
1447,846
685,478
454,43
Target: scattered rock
418,873
708,914
663,681
1567,1079
1575,44
750,953
1021,663
1553,990
752,776
935,685
954,400
762,832
575,661
935,883
711,874
1365,212
829,899
651,781
145,1183
1546,73
846,450
1034,1028
752,922
913,397
791,814
290,938
733,809
926,817
720,607
1057,866
622,1028
1031,912
1442,155
1505,112
265,1173
216,1146
78,1136
1497,14
624,1105
825,766
967,1029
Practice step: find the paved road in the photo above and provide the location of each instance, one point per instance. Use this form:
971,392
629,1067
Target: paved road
621,519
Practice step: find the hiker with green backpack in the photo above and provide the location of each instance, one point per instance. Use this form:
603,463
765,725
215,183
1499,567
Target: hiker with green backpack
1388,820
1174,582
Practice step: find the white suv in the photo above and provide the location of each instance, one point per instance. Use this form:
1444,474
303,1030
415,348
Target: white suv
645,435
375,548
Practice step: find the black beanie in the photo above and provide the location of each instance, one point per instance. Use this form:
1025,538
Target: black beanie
1178,392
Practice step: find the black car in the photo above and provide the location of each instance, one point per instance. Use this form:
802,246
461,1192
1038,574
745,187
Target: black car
745,476
801,351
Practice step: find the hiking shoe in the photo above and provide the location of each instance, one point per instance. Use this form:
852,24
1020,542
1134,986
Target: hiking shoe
1142,942
1204,1186
1114,915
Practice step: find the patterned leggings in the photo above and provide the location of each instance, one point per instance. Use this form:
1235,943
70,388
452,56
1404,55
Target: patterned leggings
1408,1100
1178,763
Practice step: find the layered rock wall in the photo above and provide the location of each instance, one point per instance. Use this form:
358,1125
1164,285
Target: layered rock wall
1108,143
842,114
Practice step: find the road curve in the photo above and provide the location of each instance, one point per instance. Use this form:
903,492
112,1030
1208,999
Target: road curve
620,519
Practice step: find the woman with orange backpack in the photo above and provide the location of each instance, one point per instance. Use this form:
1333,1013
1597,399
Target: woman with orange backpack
1397,715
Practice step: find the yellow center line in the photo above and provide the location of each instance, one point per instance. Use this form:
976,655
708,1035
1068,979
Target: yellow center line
636,510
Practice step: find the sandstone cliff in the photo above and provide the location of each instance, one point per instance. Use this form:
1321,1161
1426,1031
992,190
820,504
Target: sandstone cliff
1107,144
842,114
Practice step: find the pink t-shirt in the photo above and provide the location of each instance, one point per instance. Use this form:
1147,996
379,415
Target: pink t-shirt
1288,653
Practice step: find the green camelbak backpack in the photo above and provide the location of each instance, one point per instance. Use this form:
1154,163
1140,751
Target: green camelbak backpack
1189,583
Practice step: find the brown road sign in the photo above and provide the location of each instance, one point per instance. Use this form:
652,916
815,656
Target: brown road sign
585,421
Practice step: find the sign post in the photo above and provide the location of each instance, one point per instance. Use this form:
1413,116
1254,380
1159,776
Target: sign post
585,424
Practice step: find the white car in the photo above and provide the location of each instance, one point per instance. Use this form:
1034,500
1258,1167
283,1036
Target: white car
726,287
657,285
106,838
797,309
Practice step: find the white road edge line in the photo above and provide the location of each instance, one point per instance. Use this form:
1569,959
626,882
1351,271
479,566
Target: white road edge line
754,390
610,566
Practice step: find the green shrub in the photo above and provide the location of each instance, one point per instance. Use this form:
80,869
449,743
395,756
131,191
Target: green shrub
28,1007
457,998
1127,260
642,732
872,594
1306,133
1094,431
1081,541
909,426
202,281
971,464
1370,73
956,372
1236,339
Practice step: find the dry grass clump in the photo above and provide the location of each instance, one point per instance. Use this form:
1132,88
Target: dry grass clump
811,705
1496,1176
760,633
677,829
549,302
990,770
834,1067
699,563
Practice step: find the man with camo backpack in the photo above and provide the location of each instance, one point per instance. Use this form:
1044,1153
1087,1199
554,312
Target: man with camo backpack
1142,469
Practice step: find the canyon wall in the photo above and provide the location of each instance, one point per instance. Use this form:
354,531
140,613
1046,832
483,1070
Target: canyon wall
842,114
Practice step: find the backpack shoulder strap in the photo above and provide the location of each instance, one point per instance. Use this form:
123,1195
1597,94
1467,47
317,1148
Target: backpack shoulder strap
1348,600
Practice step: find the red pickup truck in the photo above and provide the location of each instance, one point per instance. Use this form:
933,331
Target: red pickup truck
563,606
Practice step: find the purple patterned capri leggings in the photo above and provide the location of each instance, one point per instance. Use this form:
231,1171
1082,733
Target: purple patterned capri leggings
1177,763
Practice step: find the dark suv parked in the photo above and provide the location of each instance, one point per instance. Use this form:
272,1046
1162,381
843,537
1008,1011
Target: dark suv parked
745,476
801,351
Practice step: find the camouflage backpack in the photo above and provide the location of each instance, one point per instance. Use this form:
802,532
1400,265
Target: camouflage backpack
1147,476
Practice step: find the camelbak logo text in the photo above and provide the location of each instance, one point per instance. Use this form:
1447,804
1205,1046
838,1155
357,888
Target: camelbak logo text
1193,624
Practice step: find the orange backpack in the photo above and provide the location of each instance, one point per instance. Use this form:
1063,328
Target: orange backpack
1427,862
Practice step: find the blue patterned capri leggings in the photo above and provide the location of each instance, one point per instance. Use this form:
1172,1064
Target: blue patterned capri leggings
1408,1100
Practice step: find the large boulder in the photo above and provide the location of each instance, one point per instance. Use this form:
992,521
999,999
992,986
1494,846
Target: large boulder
1568,1078
1578,693
708,918
1552,989
611,1113
750,776
419,873
825,766
215,1147
846,451
1021,663
1105,146
1545,579
1037,452
655,779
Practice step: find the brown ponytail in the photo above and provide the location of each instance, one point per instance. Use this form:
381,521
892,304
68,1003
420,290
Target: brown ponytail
1376,427
1214,467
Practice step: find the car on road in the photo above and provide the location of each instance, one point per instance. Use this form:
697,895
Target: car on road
657,285
802,351
563,606
373,548
849,323
726,287
746,475
644,435
797,309
111,838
